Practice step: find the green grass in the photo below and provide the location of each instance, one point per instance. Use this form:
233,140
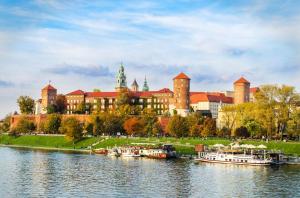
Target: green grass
182,145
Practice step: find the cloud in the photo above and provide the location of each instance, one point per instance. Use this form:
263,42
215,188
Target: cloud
89,71
212,42
5,84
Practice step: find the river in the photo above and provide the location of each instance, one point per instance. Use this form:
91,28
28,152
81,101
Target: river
38,173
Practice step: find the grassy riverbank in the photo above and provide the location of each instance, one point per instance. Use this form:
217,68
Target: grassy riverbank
183,146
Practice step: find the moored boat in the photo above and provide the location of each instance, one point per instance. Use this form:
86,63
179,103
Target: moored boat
101,151
235,157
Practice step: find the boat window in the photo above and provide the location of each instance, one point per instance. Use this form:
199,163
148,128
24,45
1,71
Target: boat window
225,159
230,160
245,160
214,158
242,161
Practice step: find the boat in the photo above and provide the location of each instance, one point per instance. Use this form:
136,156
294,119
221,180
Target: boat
101,151
129,152
235,157
166,151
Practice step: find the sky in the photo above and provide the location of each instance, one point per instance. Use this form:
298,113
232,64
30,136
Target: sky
80,44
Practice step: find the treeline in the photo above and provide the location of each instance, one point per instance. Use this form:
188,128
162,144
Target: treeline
112,124
274,114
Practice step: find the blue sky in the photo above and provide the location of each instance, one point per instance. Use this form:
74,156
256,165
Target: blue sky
80,44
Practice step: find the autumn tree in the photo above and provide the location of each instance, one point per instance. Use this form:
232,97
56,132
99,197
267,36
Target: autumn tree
72,128
52,123
134,126
5,124
209,127
178,126
97,125
24,125
26,104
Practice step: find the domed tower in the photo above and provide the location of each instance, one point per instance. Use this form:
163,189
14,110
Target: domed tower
181,98
241,91
134,86
48,97
121,79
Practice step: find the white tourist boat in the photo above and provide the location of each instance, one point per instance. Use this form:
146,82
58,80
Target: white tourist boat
234,157
129,152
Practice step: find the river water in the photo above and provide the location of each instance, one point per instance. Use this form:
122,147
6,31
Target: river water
37,173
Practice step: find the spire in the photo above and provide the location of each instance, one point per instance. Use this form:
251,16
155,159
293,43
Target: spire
134,86
145,87
121,78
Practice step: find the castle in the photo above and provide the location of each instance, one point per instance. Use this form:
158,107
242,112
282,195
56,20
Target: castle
180,101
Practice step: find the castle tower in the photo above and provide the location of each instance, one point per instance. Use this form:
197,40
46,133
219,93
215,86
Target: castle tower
145,87
48,97
181,100
121,79
241,91
134,86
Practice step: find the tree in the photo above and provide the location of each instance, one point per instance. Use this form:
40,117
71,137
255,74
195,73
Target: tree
24,125
5,125
157,129
52,123
61,104
26,104
209,127
97,125
72,128
124,97
253,127
134,126
242,132
96,90
178,126
149,118
112,124
81,108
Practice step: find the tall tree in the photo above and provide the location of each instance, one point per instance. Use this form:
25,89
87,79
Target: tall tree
134,126
26,104
72,128
178,126
52,123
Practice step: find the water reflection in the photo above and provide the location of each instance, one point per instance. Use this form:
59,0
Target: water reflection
28,173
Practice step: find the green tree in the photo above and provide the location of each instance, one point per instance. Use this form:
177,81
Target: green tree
242,132
253,127
209,127
96,90
157,129
81,108
72,128
112,124
5,125
52,123
178,126
24,125
97,125
26,104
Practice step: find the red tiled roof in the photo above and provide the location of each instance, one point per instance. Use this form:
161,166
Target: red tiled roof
181,76
210,97
77,92
241,80
103,94
254,89
115,94
49,87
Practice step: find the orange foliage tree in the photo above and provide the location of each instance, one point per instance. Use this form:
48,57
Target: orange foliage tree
134,126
